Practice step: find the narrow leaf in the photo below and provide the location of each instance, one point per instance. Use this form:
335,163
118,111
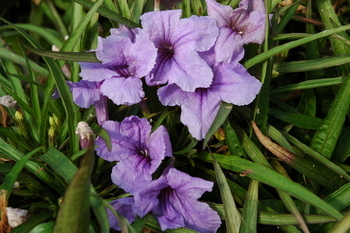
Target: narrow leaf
270,177
74,212
233,217
278,49
311,169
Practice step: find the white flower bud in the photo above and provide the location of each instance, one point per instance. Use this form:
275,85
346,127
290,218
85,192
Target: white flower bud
16,216
85,133
8,101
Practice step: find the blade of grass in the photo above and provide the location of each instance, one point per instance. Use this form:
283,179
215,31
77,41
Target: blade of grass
11,177
233,217
270,177
309,84
109,14
343,225
250,209
311,169
281,48
74,213
221,116
326,162
15,58
326,136
315,64
33,167
62,87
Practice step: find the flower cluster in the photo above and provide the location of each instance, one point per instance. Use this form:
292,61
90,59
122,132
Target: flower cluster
195,64
172,198
195,60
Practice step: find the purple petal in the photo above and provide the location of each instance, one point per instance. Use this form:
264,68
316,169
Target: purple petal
132,173
146,198
142,55
189,71
171,95
122,206
121,90
178,41
228,44
160,25
199,112
85,93
125,31
197,215
235,85
121,146
96,72
159,145
219,12
136,129
114,50
197,33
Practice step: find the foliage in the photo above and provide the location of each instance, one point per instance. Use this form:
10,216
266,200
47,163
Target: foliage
294,180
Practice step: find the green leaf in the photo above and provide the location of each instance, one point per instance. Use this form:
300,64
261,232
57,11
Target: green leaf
62,87
281,48
250,209
299,120
60,163
66,56
233,217
74,213
15,58
307,65
221,116
270,177
311,169
326,136
314,154
309,84
80,27
232,141
33,167
109,14
35,224
343,226
11,177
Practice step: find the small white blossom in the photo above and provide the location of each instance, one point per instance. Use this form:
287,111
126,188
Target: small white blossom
8,101
16,216
83,130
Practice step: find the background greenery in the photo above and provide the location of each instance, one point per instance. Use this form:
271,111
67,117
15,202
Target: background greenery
298,182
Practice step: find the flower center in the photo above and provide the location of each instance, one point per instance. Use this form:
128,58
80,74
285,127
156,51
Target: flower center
144,153
123,70
166,52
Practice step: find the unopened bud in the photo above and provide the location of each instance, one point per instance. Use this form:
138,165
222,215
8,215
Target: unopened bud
19,116
8,101
85,133
16,216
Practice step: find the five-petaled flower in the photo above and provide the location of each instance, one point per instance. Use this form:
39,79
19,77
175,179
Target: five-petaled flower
138,151
232,84
178,42
243,25
172,198
126,58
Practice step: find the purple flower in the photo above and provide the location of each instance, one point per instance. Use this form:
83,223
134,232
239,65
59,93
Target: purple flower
232,84
138,151
86,93
178,42
126,57
237,27
173,200
124,207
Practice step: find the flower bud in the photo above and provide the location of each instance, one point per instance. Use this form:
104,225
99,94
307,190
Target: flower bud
8,101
